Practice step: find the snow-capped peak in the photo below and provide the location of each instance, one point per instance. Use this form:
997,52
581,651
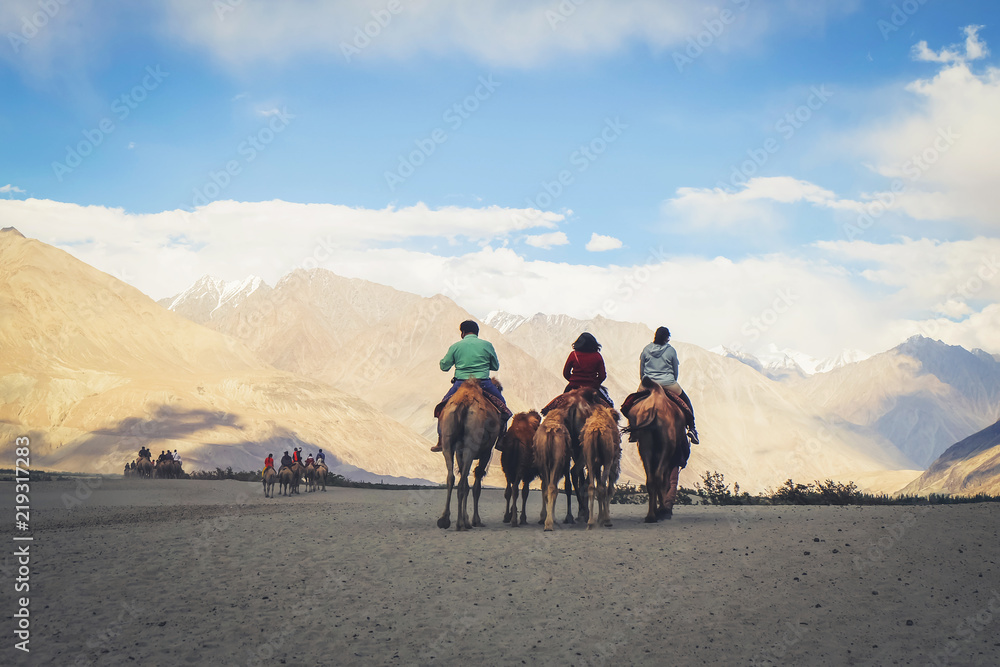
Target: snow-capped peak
504,322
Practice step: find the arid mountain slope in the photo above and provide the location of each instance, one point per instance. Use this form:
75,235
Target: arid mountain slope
968,467
91,369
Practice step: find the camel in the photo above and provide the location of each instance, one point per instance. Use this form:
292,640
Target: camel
286,480
470,426
321,472
518,463
310,474
269,477
552,456
297,470
144,467
658,425
577,404
602,450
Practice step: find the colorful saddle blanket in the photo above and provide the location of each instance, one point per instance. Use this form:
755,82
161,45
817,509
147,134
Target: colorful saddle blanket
562,400
500,406
639,395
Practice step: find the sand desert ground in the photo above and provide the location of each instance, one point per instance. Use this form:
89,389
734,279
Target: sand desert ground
193,572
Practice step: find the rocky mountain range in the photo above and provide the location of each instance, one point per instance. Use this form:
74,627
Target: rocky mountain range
91,369
970,466
228,371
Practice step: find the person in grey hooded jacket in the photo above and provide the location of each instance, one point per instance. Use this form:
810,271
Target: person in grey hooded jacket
658,362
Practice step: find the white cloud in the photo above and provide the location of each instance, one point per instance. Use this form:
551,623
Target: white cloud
753,203
974,49
11,188
495,32
547,241
131,145
165,252
600,243
830,296
942,142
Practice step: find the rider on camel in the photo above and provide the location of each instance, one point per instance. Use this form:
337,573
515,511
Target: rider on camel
320,457
309,460
268,463
658,362
472,357
286,460
585,366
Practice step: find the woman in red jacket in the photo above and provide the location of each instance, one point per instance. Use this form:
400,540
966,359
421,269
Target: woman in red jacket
585,366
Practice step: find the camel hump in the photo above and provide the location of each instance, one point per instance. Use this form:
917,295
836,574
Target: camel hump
650,384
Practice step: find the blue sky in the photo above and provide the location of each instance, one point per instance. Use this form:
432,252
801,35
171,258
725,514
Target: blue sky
266,88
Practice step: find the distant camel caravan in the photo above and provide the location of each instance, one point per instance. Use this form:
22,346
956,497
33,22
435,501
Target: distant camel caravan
290,477
143,467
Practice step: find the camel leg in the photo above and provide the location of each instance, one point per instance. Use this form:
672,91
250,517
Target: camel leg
670,492
477,488
524,502
568,485
512,511
652,486
605,500
551,491
580,482
445,520
464,464
591,496
545,495
506,504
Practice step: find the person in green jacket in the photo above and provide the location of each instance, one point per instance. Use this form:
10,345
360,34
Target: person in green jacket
472,357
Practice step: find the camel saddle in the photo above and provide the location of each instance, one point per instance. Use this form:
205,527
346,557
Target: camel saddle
561,401
500,406
632,399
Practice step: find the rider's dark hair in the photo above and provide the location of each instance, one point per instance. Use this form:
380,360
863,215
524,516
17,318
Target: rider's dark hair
662,336
468,327
586,343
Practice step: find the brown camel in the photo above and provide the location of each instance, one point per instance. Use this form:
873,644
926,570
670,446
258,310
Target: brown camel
602,450
552,456
518,463
577,404
470,426
658,425
321,472
144,467
298,470
310,475
269,478
286,479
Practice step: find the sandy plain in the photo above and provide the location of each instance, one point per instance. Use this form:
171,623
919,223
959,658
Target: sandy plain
162,572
